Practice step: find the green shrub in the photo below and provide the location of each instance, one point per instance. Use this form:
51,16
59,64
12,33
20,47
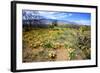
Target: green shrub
48,45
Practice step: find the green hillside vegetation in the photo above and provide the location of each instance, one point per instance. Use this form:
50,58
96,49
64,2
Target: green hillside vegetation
56,43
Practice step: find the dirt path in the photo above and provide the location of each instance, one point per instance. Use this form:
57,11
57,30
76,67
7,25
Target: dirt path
62,54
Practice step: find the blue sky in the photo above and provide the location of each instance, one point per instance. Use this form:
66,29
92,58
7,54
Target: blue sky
80,18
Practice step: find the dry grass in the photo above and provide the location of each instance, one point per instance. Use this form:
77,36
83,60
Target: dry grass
55,44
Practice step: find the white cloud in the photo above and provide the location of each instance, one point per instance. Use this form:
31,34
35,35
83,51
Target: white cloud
55,15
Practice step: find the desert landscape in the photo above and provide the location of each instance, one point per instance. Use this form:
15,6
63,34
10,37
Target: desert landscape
46,38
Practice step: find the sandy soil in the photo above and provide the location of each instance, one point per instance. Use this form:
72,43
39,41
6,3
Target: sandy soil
62,54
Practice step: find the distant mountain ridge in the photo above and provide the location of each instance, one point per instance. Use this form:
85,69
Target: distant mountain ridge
49,21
